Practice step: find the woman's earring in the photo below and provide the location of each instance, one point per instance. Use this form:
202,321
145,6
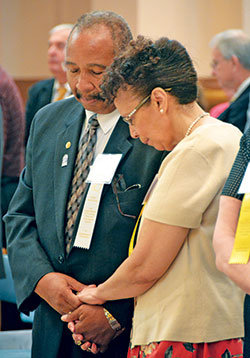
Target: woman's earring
161,110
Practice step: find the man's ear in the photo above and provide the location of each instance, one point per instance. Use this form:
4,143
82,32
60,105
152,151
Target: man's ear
235,62
160,99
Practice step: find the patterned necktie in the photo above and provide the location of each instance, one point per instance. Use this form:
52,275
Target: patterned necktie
82,165
61,93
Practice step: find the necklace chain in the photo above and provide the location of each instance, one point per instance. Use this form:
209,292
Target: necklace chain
194,123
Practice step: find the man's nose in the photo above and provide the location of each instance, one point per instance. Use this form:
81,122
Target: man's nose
51,50
133,132
84,83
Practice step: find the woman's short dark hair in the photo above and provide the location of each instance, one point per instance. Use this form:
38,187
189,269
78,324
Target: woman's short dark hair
146,65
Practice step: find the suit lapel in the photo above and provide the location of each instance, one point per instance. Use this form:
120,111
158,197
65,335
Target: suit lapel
46,92
236,112
119,140
223,116
66,149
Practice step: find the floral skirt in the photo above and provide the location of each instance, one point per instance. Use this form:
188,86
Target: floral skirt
223,349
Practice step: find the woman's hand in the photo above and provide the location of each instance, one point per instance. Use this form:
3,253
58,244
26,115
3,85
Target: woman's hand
90,295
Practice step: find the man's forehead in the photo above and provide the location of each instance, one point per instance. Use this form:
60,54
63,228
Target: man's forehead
57,41
89,65
96,49
97,31
59,36
217,53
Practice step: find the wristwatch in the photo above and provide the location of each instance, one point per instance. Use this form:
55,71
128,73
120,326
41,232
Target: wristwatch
114,324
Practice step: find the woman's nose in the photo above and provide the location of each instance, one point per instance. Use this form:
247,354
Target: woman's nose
133,132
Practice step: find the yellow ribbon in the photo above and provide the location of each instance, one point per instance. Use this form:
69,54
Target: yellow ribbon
241,249
132,240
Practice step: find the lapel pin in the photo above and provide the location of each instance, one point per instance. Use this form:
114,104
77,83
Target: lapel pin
65,160
68,145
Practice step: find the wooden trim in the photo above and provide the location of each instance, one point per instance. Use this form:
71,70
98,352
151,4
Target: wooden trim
24,85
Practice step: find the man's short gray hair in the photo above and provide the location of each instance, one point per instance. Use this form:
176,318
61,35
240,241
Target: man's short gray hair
233,42
61,27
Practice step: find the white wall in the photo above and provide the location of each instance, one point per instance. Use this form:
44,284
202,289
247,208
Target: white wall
24,26
192,22
246,16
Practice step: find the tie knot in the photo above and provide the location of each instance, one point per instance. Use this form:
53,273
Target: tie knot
93,122
61,91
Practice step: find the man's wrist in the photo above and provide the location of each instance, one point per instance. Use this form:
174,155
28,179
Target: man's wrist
114,324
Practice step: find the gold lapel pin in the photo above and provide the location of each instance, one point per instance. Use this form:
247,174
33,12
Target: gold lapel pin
68,145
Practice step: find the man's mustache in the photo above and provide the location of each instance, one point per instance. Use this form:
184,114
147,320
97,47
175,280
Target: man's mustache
96,96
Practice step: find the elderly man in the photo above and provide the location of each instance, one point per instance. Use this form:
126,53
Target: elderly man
63,232
231,67
53,89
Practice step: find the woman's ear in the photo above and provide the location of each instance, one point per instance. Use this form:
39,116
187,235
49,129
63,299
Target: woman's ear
160,99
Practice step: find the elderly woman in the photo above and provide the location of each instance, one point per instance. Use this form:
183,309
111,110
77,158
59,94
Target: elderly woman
184,306
224,235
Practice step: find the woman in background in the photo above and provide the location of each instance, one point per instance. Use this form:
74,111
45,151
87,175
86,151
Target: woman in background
224,235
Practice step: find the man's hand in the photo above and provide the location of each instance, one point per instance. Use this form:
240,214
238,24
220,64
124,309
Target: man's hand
58,290
89,324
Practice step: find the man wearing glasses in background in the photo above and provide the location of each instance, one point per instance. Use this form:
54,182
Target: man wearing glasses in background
231,67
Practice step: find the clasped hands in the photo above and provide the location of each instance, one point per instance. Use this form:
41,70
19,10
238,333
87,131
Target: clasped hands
76,320
87,322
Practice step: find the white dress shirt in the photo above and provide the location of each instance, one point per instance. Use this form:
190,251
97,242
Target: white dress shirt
107,123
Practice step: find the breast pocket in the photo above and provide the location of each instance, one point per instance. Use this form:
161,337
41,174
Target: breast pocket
128,198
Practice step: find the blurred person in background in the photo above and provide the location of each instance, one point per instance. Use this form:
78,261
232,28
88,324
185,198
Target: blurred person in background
13,138
12,162
231,67
53,89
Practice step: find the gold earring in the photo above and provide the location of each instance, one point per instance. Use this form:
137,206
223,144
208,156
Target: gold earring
161,110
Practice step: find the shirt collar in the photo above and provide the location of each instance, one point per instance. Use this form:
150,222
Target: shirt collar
241,89
65,85
106,121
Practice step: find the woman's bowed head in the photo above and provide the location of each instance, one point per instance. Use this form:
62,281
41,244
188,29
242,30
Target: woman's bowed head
154,87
